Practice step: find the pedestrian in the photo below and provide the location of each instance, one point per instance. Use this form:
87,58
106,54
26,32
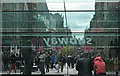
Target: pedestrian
17,61
5,60
116,65
77,58
84,66
42,63
52,60
37,60
47,61
69,60
60,62
12,62
72,61
99,66
64,60
27,53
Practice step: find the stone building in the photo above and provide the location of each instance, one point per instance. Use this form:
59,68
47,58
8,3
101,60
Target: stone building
21,23
104,27
29,21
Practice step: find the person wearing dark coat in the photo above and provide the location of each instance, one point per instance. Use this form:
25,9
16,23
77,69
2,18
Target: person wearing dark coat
69,60
27,53
47,61
84,66
5,60
72,61
60,62
37,60
17,61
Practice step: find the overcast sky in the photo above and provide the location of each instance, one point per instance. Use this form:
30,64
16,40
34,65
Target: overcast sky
77,21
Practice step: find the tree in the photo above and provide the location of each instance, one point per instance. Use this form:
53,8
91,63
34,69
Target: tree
68,50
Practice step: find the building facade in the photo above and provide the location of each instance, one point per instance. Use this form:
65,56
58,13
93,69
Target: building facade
104,27
30,21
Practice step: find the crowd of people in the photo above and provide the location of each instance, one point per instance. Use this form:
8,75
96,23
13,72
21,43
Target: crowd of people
85,63
10,62
43,60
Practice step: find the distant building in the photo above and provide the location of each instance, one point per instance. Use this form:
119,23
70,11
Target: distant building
21,23
104,26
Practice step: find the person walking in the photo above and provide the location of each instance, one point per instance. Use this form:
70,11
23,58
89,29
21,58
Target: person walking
12,62
84,66
27,53
116,65
37,60
99,66
60,62
47,61
52,60
42,63
69,60
17,61
5,60
72,61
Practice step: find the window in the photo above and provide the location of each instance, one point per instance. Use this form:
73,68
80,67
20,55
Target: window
70,28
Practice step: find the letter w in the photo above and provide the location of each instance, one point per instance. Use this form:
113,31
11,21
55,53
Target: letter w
63,40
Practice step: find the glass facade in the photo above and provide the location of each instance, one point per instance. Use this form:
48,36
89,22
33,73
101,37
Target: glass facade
68,27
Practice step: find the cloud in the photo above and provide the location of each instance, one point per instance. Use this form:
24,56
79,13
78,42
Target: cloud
71,6
77,30
80,20
80,15
80,6
55,6
79,0
68,1
77,21
82,24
